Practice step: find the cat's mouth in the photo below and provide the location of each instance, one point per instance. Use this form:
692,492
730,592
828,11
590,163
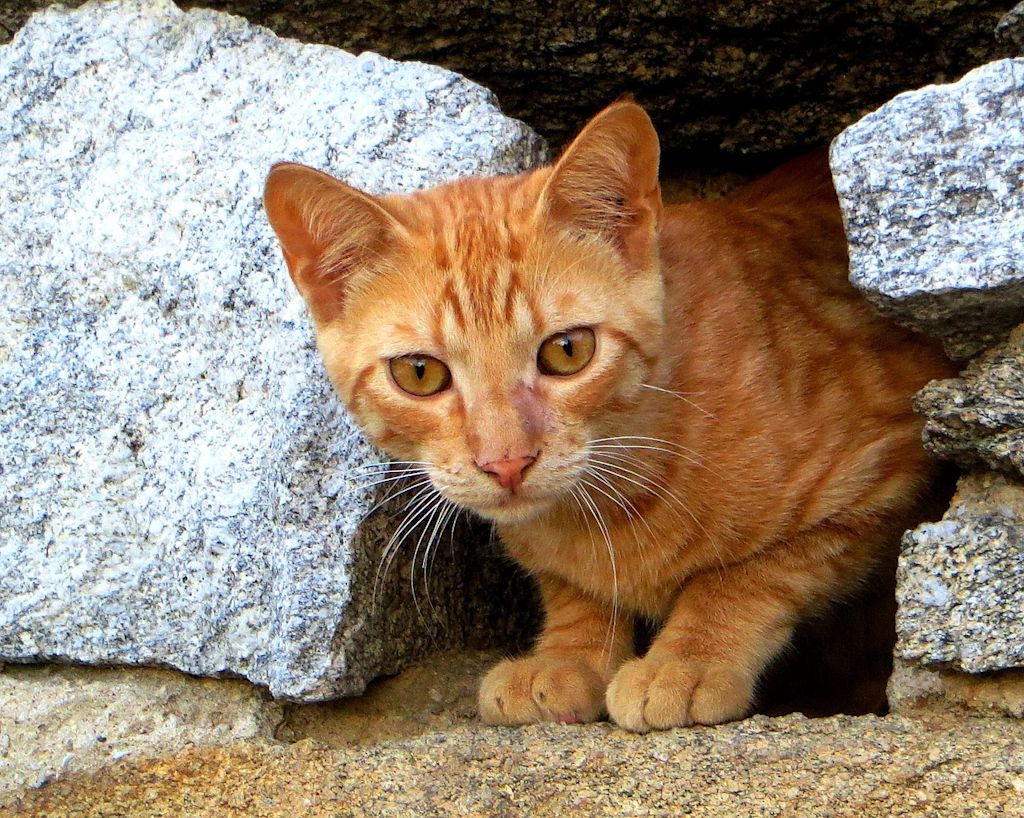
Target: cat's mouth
538,493
512,507
517,511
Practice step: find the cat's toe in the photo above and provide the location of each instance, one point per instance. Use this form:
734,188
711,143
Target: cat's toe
720,695
656,694
533,689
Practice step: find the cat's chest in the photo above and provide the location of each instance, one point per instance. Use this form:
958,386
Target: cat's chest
608,561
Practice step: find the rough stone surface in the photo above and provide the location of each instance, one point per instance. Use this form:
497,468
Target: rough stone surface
731,75
932,191
176,478
1010,31
913,688
843,767
977,419
55,720
960,587
412,744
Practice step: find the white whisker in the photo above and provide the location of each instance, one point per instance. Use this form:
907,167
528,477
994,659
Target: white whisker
388,465
681,396
664,446
648,484
590,531
434,512
621,501
395,478
422,483
658,489
615,573
414,507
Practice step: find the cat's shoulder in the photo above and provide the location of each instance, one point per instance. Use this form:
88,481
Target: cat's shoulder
805,181
790,214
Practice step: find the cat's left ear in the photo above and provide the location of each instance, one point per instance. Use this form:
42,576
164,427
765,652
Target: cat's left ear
606,183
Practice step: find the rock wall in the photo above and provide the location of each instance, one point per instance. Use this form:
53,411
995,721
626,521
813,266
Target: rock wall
178,485
932,190
176,479
729,76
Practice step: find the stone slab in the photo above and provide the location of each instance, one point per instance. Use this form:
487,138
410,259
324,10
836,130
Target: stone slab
55,720
822,768
413,745
914,690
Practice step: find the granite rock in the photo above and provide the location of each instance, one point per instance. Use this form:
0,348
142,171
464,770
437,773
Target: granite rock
932,191
59,719
175,474
812,768
977,419
413,745
959,584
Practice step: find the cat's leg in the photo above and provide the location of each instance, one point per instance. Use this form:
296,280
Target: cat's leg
724,628
564,679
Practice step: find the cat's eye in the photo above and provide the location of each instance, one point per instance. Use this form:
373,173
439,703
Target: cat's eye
566,353
420,375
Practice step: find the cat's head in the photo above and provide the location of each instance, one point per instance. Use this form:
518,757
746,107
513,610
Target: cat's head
492,330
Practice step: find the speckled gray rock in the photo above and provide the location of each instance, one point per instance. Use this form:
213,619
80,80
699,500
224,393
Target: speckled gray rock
175,481
960,586
932,191
978,418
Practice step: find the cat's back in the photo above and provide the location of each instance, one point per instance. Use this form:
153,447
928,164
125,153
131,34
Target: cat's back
772,256
786,355
785,224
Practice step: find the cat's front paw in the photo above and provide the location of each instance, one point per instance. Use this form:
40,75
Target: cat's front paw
658,693
541,688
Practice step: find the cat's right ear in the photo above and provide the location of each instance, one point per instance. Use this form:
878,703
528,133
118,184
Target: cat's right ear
327,230
606,183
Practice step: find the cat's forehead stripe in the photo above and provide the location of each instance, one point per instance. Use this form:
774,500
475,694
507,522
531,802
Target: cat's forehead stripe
489,299
474,232
452,301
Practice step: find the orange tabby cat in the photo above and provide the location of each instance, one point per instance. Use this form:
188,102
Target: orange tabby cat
683,414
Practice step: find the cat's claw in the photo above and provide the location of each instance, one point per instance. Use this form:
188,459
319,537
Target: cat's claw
659,693
538,688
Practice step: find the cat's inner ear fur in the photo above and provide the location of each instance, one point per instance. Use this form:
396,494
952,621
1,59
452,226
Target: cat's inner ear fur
327,229
606,182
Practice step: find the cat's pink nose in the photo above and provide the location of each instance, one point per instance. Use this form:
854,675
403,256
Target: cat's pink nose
509,473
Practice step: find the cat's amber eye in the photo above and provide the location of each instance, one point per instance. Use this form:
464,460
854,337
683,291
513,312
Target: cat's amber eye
420,375
566,353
